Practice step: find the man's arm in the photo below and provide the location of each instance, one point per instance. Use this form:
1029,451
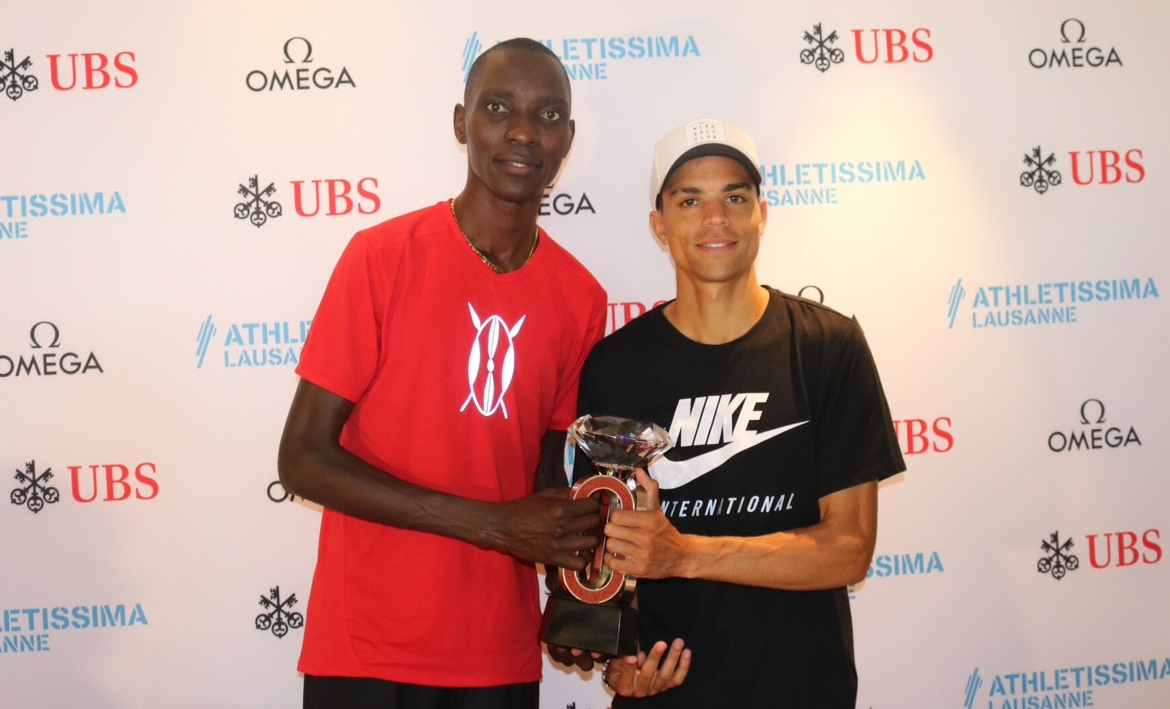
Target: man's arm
834,552
550,474
546,527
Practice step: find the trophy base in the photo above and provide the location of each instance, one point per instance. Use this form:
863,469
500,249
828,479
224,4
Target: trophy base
605,628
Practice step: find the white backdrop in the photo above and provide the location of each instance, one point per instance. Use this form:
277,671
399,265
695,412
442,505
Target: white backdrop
147,335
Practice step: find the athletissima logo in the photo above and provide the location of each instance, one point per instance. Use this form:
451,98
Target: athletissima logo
710,420
899,565
589,58
492,362
255,344
16,210
278,615
30,629
1052,303
14,77
1075,686
825,183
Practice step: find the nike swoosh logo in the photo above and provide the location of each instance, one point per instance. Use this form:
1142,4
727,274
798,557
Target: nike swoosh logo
676,473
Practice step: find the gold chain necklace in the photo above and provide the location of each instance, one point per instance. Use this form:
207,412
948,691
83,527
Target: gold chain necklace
483,257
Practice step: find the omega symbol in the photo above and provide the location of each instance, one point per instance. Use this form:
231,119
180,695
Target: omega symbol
1064,35
492,363
34,339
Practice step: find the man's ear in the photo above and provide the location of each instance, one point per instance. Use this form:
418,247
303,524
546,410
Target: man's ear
459,122
656,227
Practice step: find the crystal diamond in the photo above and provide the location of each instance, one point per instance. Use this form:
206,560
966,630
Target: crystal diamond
615,444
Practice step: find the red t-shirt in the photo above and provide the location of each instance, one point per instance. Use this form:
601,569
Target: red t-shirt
456,373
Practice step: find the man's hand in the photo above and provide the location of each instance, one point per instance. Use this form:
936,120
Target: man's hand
549,528
643,543
572,657
645,675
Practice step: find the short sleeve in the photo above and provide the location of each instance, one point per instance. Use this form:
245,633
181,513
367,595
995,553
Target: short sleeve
342,348
566,404
855,437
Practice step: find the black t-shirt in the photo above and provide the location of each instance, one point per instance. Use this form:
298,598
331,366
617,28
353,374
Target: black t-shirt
764,427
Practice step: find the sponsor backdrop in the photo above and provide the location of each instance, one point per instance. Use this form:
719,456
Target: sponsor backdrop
984,188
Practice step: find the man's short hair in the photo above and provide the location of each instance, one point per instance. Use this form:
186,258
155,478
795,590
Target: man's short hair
520,44
701,138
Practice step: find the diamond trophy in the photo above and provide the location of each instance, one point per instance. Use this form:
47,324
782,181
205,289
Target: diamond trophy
599,617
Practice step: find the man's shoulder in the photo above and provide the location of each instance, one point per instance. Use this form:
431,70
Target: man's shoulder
810,318
568,267
633,336
405,227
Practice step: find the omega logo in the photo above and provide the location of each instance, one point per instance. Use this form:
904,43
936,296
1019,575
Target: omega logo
1094,436
302,77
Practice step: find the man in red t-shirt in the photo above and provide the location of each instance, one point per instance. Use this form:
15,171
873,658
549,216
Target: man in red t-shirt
436,385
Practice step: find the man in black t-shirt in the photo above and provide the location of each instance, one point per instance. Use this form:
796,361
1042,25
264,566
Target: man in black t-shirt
766,508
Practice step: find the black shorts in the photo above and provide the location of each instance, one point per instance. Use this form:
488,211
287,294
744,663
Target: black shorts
363,693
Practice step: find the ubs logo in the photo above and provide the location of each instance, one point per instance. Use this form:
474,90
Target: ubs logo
819,53
871,46
258,205
1041,173
298,50
1089,167
1058,559
492,363
14,76
33,490
278,615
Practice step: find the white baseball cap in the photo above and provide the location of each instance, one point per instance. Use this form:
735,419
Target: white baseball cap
700,138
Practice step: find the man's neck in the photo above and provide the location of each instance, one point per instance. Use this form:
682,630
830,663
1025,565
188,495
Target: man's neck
502,231
717,313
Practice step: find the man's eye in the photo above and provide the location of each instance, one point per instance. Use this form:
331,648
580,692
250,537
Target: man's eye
494,107
688,202
552,115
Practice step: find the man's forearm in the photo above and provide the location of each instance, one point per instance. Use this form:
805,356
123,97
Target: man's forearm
802,560
341,481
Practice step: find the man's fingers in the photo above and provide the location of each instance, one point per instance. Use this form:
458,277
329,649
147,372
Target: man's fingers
651,486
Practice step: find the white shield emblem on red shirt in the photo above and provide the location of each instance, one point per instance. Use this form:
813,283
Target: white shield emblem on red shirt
492,363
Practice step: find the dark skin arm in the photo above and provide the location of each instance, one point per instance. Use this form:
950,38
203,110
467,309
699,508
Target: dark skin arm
546,527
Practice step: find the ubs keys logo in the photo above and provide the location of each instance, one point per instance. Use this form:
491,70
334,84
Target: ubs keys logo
33,492
13,76
1058,561
492,363
1040,174
820,54
257,208
279,616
